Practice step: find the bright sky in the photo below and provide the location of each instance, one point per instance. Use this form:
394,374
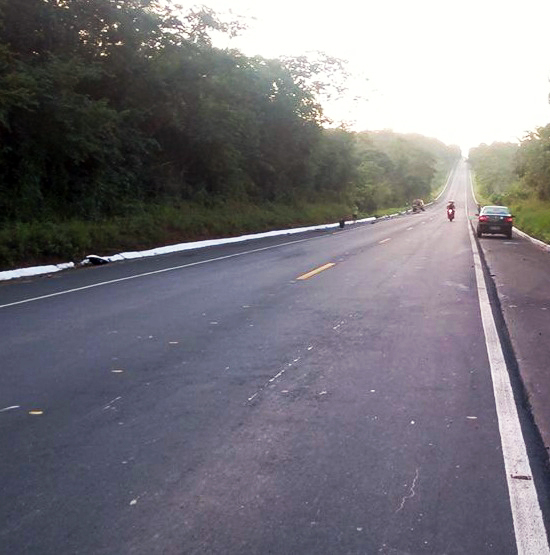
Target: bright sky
464,72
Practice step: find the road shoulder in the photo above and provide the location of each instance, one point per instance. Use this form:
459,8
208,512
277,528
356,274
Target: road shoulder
520,272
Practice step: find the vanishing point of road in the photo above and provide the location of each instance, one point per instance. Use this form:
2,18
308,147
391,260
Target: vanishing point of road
330,393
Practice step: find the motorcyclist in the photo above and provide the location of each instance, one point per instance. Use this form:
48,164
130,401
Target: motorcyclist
451,210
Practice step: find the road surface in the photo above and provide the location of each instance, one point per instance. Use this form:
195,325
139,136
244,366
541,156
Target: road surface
215,402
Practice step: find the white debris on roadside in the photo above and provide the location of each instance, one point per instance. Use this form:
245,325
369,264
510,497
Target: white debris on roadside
99,260
96,260
110,403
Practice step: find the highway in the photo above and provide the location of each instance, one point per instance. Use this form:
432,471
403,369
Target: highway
324,393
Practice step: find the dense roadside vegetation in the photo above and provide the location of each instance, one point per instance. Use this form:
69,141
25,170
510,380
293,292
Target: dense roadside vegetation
122,127
517,175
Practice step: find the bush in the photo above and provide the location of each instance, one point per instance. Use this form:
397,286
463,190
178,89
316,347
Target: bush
51,242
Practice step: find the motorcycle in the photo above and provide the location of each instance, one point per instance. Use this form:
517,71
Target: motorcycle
451,214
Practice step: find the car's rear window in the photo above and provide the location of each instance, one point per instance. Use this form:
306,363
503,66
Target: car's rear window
501,210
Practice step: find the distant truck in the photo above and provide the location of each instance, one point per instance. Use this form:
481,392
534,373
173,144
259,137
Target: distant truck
418,205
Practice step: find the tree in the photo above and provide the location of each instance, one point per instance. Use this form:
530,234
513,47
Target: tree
107,104
534,162
495,166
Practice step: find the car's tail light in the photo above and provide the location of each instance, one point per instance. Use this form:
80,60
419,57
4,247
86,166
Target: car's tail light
483,218
509,219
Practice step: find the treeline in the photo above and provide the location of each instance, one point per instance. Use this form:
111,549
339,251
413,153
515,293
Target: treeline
107,106
511,171
394,169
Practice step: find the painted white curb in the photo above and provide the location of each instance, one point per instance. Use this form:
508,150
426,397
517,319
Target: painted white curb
35,271
40,270
537,242
50,269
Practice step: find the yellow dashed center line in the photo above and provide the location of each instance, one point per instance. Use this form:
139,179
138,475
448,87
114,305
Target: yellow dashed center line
317,270
384,241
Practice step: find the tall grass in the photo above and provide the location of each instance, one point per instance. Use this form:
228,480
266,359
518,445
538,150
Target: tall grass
531,214
27,244
533,217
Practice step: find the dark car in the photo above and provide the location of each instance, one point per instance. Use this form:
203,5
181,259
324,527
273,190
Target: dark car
495,219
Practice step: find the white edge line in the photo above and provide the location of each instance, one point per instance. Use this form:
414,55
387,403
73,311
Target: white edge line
451,174
526,513
49,269
151,273
7,275
10,408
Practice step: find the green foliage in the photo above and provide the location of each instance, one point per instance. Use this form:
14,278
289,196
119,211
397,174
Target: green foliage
496,167
336,164
109,107
534,162
532,215
517,176
394,169
158,224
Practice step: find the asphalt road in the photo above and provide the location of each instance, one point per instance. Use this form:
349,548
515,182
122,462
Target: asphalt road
520,272
226,406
